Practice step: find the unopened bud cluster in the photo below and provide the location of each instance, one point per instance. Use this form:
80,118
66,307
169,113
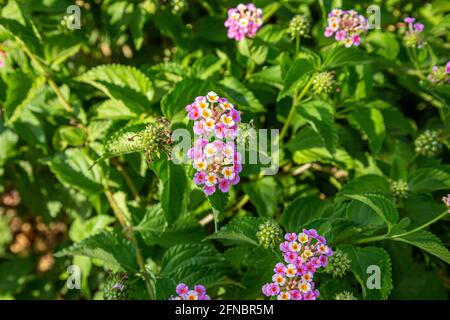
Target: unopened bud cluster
299,26
338,265
400,189
117,287
269,235
156,138
345,295
323,82
440,75
178,6
428,144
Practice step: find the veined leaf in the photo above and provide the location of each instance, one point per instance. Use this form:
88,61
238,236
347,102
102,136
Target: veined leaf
427,241
361,259
263,195
113,249
241,229
296,77
72,167
193,263
371,122
428,179
321,117
233,89
22,88
124,83
176,188
184,93
302,211
341,56
380,205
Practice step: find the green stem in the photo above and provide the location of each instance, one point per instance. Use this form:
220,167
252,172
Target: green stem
297,45
295,100
426,224
394,237
131,236
272,9
42,70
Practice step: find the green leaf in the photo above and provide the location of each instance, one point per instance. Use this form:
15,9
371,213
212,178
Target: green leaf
361,259
428,179
301,211
82,229
241,229
296,77
24,34
176,188
22,88
308,146
371,122
234,90
153,224
263,195
366,183
341,56
182,94
14,273
124,83
8,141
72,167
165,288
380,205
113,249
113,110
427,241
321,117
193,263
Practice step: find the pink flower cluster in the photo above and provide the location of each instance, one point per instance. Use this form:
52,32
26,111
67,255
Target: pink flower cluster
412,26
214,153
303,254
199,293
446,201
2,58
244,20
346,26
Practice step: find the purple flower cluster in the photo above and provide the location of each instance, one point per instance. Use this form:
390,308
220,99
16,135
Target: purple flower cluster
346,26
303,254
217,162
243,21
446,201
440,75
199,293
413,36
2,58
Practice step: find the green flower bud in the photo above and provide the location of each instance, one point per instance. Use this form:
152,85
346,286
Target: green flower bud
117,286
245,133
338,265
156,138
323,82
412,40
178,6
299,26
344,295
428,144
400,189
269,235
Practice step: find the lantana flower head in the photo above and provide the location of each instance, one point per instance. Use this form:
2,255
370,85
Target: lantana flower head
243,21
446,201
440,75
2,58
184,293
346,26
214,154
303,254
413,35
